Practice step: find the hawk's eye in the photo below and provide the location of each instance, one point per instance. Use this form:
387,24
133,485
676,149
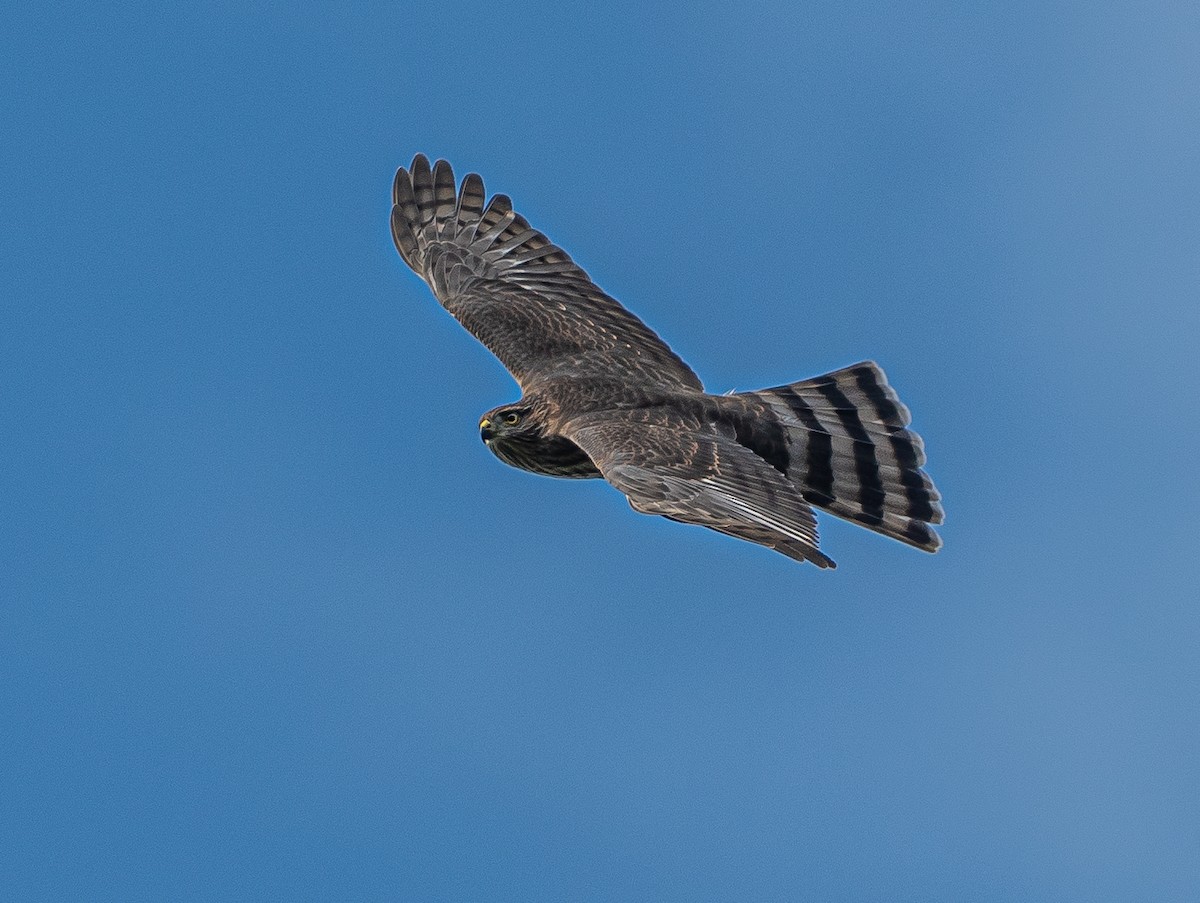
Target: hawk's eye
512,418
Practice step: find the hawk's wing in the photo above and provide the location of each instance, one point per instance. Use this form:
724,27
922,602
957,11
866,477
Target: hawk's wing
518,293
694,474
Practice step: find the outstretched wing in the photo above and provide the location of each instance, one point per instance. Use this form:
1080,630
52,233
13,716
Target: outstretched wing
514,290
691,473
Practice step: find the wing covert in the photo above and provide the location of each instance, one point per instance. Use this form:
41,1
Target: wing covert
690,473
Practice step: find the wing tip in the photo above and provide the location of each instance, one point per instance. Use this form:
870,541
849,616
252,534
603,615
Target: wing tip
823,561
399,182
404,239
420,163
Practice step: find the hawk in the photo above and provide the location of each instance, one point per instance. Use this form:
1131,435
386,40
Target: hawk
603,395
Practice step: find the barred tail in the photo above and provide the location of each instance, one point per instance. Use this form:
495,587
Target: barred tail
849,452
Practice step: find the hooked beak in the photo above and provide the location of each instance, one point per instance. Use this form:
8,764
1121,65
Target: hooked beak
485,430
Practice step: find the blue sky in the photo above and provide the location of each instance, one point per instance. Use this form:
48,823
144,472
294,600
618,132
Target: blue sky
275,625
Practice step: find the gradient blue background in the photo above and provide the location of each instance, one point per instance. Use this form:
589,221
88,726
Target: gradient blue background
275,625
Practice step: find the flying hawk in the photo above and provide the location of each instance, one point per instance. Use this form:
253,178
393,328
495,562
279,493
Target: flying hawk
603,396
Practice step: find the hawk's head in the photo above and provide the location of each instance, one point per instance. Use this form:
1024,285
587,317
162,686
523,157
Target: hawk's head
516,435
507,424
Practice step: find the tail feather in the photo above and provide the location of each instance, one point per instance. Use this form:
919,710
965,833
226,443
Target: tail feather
850,452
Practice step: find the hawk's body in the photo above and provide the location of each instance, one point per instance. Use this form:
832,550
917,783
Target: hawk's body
605,397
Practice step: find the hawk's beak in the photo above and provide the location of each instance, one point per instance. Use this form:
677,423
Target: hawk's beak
485,430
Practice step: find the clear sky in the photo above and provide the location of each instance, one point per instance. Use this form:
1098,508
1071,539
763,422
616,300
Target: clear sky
275,625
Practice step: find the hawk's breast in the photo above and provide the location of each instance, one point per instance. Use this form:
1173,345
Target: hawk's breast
552,456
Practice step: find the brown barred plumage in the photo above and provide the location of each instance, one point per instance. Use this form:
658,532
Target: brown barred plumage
605,396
